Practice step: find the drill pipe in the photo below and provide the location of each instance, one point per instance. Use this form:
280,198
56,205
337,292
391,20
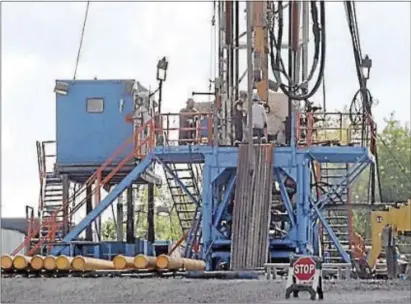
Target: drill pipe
123,262
63,262
6,262
83,263
166,262
190,264
142,261
49,263
37,262
21,262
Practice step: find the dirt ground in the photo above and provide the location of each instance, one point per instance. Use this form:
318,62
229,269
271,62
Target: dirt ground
174,290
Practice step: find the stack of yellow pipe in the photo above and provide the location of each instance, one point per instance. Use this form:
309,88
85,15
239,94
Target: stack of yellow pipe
7,262
21,262
167,262
49,263
142,261
63,263
37,262
123,262
83,263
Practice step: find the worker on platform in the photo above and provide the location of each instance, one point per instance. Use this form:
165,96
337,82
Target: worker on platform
259,119
238,120
188,119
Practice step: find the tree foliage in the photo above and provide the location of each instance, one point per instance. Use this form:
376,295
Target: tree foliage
166,226
394,162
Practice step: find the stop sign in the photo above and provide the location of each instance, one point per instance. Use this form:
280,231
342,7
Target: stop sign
304,268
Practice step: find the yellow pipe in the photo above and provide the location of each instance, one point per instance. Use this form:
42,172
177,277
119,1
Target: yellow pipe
50,263
123,262
165,262
63,262
6,262
142,261
83,263
21,262
190,264
37,262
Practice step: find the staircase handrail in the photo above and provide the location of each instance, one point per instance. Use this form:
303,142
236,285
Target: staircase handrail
89,181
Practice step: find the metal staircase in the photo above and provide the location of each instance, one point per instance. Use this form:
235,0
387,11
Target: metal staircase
337,218
185,208
51,193
50,228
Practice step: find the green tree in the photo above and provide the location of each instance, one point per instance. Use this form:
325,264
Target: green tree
394,161
109,232
166,226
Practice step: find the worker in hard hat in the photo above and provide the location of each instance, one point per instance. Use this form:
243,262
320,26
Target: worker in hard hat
259,119
238,120
188,120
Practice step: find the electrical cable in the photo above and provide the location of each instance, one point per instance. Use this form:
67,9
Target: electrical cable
81,40
277,64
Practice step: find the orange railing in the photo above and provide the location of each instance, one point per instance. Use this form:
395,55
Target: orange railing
96,178
145,137
316,128
199,131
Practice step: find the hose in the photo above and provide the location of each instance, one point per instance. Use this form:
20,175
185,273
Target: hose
277,63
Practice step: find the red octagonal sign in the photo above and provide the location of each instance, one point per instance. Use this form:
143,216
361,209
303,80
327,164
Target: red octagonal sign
304,268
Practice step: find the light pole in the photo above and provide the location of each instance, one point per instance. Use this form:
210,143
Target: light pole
366,65
162,66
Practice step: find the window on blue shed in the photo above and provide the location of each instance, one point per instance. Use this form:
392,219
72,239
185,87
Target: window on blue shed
95,105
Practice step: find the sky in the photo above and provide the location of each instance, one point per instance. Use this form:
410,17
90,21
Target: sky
39,43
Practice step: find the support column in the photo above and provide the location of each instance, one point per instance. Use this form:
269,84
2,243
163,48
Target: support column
130,216
89,208
206,205
66,188
120,215
150,214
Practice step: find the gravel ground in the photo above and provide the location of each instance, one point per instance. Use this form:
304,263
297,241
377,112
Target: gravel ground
132,290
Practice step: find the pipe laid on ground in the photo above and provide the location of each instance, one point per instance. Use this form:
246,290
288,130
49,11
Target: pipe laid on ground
21,262
142,261
63,263
123,262
49,263
191,264
83,263
37,262
166,262
6,262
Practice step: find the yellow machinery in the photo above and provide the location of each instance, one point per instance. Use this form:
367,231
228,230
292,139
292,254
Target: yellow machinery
399,218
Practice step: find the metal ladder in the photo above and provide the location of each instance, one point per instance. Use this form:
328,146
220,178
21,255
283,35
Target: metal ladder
185,208
51,194
338,220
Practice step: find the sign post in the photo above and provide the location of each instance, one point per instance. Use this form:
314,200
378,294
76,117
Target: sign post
305,274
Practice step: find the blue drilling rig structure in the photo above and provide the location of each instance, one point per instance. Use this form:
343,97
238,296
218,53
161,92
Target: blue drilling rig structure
112,133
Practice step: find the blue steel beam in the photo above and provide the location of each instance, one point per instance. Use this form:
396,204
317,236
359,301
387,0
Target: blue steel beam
351,175
106,202
207,212
332,235
285,197
227,195
226,157
178,181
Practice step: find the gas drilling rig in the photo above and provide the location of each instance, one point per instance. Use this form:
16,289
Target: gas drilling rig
239,203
